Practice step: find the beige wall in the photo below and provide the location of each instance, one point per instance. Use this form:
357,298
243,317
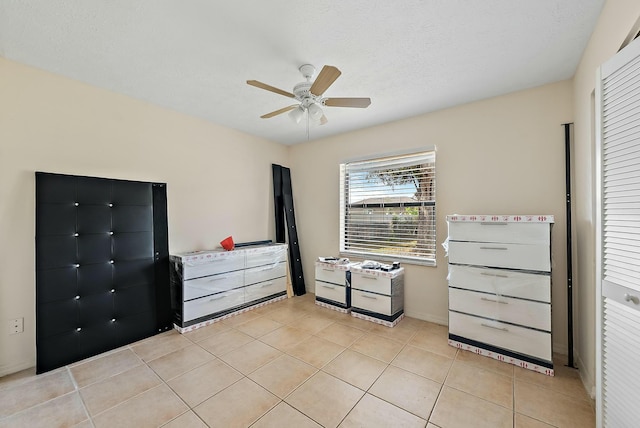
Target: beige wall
218,179
503,155
615,22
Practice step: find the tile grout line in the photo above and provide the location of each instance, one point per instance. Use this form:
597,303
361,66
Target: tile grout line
435,404
77,389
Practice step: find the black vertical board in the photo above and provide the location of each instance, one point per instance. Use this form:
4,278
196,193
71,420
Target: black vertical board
297,278
164,314
567,151
278,203
295,260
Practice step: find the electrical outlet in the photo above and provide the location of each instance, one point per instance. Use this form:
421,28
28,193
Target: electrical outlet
16,325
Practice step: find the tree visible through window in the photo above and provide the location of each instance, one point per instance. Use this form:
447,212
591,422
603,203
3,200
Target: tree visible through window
387,208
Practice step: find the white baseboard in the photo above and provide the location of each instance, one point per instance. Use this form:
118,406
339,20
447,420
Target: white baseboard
588,380
15,368
428,317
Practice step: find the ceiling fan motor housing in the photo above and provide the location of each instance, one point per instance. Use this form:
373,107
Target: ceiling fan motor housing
301,91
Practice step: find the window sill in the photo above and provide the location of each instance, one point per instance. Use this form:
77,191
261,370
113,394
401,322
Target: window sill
378,258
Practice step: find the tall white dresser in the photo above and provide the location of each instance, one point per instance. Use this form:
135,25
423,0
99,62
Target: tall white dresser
207,286
500,287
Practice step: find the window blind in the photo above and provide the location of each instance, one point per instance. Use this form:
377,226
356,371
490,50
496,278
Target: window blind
387,208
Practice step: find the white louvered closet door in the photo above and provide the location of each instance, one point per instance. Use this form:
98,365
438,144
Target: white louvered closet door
618,348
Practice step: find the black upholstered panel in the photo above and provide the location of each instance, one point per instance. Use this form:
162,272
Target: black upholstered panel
94,191
55,251
56,219
94,219
61,284
132,218
102,278
94,248
131,193
95,278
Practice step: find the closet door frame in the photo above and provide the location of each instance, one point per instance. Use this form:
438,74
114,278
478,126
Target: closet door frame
630,53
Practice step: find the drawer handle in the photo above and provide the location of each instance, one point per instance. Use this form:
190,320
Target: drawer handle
221,296
631,298
493,248
270,267
370,277
497,275
217,278
328,270
491,223
369,297
494,300
329,286
495,328
266,284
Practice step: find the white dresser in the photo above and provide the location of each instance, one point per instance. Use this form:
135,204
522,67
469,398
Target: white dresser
207,286
500,287
377,295
333,290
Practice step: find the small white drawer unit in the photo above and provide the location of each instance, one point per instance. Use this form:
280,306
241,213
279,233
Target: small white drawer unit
209,285
500,287
377,295
333,288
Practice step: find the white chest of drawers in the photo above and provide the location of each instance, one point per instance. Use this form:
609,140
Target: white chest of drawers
207,286
333,290
377,295
500,288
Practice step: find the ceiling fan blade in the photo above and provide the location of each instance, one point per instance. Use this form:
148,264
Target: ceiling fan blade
327,76
277,112
269,88
323,120
348,102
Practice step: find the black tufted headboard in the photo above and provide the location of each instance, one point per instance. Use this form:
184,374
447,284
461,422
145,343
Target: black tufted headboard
102,265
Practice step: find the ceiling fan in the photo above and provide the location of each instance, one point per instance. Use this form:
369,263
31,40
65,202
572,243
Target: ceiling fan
310,95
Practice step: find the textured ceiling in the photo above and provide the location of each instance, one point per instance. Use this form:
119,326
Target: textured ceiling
410,57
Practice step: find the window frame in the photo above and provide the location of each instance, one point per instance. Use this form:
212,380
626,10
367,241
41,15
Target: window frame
344,206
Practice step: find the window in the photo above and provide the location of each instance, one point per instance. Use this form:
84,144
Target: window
388,207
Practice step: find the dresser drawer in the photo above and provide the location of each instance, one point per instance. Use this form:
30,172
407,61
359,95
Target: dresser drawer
265,273
266,256
225,262
334,292
514,233
329,274
513,256
530,286
517,339
367,282
523,312
371,302
265,289
211,304
195,288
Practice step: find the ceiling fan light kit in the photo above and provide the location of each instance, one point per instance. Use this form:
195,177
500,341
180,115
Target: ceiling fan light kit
310,95
315,111
296,114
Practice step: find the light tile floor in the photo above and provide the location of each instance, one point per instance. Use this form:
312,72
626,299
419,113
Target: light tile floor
295,364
